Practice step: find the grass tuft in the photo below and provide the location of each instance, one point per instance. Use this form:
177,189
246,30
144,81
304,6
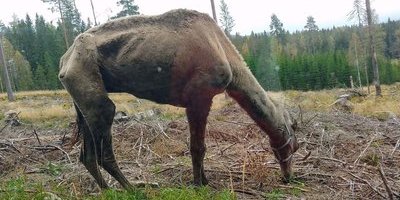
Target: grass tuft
193,193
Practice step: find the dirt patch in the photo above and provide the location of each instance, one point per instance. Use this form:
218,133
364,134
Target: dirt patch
340,155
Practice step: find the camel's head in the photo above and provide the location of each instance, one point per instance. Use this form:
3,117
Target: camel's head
287,147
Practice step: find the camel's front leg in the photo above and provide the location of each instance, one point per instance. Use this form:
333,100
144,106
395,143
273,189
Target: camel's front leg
81,77
197,114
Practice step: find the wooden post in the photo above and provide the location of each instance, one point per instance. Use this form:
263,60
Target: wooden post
94,15
6,77
63,25
213,11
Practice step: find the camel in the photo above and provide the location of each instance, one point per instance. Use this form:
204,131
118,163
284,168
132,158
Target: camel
181,58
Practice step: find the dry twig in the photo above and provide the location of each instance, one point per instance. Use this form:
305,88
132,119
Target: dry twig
368,183
37,137
385,182
365,149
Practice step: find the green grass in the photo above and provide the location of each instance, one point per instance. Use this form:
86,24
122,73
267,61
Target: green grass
136,194
275,194
21,189
192,193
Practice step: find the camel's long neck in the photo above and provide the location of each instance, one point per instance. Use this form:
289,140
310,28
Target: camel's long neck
246,90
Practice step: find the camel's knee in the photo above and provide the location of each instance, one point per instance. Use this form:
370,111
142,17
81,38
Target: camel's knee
106,109
99,119
88,160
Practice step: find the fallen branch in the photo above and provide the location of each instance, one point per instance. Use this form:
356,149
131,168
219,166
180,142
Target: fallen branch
306,156
294,187
385,182
395,147
11,144
227,171
368,183
5,126
331,159
238,123
140,122
365,149
243,191
37,137
52,147
162,131
62,150
306,124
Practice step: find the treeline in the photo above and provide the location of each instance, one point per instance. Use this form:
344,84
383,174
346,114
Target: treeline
41,44
310,59
315,59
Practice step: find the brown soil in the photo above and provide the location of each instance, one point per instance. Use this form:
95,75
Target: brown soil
345,153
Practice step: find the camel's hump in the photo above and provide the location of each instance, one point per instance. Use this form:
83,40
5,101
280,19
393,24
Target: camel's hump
175,18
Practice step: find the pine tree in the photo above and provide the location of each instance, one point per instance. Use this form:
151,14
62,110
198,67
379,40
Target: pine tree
311,24
226,20
128,8
276,29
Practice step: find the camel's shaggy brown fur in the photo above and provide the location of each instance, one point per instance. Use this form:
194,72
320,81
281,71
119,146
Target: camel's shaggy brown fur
180,58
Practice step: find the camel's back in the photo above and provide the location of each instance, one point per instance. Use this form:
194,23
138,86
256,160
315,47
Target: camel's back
158,37
174,19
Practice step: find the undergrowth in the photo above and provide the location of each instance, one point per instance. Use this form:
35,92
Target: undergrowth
21,189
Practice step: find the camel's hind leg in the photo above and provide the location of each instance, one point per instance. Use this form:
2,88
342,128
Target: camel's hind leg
81,77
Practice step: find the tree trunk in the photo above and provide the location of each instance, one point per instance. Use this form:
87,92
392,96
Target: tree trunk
94,15
63,25
213,11
6,77
358,66
374,62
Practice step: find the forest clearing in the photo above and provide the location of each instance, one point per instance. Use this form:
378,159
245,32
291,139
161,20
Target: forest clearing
341,155
349,139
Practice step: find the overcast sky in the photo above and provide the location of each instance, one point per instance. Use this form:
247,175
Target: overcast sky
249,15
